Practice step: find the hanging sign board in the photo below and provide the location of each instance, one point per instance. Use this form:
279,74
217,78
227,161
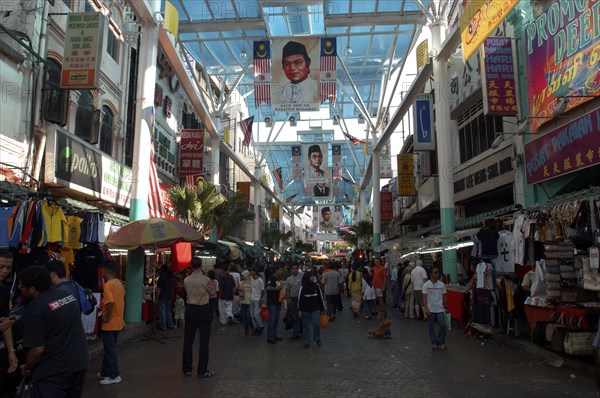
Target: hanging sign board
83,51
424,123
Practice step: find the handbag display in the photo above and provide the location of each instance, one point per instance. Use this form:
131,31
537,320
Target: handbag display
555,321
557,340
591,277
579,343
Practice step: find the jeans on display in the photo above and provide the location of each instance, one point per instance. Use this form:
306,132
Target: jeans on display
165,316
274,312
110,366
255,314
440,317
246,320
197,318
296,321
311,319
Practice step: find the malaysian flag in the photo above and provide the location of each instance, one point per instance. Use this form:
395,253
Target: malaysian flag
336,151
328,70
246,126
296,160
156,206
353,139
278,177
262,72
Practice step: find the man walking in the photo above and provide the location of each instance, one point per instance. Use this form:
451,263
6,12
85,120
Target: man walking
57,356
256,298
273,288
332,286
419,276
112,323
197,318
227,286
294,282
434,305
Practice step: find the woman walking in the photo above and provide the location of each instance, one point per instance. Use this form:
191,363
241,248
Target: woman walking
368,293
310,307
355,289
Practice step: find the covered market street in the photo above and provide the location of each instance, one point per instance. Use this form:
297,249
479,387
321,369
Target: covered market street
348,364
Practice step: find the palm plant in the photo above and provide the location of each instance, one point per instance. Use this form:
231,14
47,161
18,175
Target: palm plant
357,234
230,214
196,205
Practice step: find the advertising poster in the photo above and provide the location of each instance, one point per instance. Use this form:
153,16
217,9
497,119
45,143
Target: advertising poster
385,161
191,152
500,98
317,173
562,48
82,56
295,74
406,175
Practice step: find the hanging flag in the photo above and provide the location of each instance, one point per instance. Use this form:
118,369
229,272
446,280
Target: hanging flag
278,177
366,151
336,158
262,72
328,69
226,136
353,139
346,197
246,126
347,180
297,161
290,198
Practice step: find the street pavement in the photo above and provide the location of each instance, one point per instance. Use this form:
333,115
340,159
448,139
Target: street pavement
348,364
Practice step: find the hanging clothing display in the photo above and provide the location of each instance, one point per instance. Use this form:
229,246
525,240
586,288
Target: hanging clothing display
505,262
489,243
87,267
74,225
5,213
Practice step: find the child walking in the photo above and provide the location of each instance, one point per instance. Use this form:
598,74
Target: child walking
179,311
383,330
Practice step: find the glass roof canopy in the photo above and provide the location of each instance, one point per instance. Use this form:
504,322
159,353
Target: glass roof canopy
219,34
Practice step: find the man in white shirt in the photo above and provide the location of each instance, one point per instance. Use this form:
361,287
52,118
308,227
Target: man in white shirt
418,277
434,307
256,297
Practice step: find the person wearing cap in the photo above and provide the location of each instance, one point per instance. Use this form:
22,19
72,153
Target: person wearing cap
315,160
326,218
301,88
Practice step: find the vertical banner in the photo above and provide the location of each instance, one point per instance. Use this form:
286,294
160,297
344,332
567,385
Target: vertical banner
387,208
337,216
422,54
325,219
171,21
244,187
562,68
317,174
406,176
424,124
274,211
277,173
315,217
83,51
261,55
385,162
295,80
297,161
480,19
328,70
336,159
191,152
500,98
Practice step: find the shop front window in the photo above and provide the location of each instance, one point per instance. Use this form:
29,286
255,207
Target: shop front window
56,103
476,135
84,116
106,133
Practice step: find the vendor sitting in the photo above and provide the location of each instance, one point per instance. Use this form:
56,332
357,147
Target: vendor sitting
383,330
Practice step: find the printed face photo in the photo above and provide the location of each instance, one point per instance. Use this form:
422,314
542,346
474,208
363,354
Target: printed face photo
296,68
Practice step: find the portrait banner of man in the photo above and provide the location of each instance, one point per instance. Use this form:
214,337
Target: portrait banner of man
295,75
316,168
326,223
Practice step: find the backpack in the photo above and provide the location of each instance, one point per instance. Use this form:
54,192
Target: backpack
87,301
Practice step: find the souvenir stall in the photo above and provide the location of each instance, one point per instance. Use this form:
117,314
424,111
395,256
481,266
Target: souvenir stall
561,242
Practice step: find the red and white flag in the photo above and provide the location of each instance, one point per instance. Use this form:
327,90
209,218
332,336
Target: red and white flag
246,126
262,72
328,69
278,177
156,207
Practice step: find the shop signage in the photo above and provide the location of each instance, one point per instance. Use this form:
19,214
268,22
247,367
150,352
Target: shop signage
244,187
116,182
387,208
562,55
385,162
191,152
485,175
406,175
76,163
83,51
479,20
424,122
572,147
500,98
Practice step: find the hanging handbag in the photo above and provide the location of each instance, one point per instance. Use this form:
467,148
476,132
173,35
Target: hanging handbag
584,236
573,228
591,277
595,223
324,320
555,321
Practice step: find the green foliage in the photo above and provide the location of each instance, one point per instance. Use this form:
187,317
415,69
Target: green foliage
358,234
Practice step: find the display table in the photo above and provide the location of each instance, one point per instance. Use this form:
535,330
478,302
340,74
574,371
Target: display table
535,314
456,304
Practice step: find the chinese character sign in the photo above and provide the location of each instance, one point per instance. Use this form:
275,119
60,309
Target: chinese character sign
191,152
500,98
83,43
572,147
406,175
